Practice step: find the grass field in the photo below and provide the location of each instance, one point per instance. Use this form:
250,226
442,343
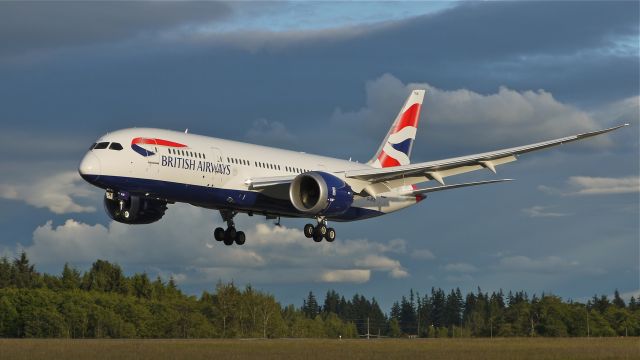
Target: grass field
507,348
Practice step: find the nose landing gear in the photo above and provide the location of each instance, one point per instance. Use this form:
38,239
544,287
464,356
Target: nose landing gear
319,232
230,235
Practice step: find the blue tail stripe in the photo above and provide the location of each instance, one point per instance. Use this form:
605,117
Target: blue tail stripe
403,146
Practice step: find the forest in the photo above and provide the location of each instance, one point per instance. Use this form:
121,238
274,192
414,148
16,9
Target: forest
105,303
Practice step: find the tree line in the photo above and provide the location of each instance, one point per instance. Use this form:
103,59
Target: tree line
105,303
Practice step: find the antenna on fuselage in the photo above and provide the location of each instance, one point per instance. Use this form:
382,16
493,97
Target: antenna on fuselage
186,131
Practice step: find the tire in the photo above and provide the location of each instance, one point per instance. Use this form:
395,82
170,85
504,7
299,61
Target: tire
218,234
126,215
309,230
230,233
330,235
317,237
322,229
240,238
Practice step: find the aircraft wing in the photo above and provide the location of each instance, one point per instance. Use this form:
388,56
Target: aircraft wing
378,180
258,183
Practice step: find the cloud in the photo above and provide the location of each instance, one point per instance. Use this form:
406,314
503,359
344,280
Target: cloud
422,254
353,276
382,263
587,185
542,211
28,26
463,118
627,295
603,186
461,268
59,193
271,133
182,243
548,264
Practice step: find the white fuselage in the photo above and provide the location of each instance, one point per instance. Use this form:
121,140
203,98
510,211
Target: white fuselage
215,173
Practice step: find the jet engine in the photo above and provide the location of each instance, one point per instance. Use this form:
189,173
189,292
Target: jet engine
133,209
320,193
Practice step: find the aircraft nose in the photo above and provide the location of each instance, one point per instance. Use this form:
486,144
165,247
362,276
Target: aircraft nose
89,168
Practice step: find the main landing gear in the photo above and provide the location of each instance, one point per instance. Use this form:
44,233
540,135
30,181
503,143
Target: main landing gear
320,231
230,235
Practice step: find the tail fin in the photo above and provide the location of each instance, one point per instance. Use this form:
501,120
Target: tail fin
396,147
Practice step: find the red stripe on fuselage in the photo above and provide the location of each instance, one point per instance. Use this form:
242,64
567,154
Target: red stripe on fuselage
160,142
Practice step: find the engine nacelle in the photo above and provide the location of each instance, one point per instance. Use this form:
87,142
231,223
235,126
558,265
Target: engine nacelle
134,210
320,193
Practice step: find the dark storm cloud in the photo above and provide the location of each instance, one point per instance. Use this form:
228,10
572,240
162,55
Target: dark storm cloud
27,26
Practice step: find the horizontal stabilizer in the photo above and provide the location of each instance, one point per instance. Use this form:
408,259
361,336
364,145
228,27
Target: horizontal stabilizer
454,186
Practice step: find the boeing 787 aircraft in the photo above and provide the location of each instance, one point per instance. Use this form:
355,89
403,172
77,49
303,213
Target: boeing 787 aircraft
143,170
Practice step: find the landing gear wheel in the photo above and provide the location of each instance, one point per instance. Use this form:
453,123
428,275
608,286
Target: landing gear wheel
322,229
317,237
309,230
330,235
218,234
126,214
230,233
240,238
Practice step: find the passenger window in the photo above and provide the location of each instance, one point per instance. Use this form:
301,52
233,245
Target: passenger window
101,145
115,146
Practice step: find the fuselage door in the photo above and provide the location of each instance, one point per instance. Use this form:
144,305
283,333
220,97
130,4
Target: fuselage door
219,167
153,157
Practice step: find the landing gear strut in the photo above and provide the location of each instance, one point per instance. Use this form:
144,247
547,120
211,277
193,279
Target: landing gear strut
320,231
230,235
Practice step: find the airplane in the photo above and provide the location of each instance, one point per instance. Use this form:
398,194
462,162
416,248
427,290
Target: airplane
142,170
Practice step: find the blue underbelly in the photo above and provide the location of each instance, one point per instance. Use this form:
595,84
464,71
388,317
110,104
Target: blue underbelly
219,198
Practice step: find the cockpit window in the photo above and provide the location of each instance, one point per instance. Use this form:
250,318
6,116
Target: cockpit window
115,146
101,145
92,146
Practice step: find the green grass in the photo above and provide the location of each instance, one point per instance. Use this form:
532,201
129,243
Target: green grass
387,349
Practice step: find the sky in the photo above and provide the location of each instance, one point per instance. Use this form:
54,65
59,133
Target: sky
328,78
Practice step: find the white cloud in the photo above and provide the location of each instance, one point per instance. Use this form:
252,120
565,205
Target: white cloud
422,254
182,244
352,275
548,264
382,263
542,211
58,193
587,185
461,268
462,117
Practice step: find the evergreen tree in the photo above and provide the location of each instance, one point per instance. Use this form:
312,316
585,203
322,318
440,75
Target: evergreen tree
70,278
408,316
617,300
310,306
23,274
331,303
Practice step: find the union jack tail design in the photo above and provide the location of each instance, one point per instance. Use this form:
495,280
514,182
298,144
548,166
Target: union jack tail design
396,147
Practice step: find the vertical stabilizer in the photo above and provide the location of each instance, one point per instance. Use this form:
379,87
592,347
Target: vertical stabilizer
396,147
